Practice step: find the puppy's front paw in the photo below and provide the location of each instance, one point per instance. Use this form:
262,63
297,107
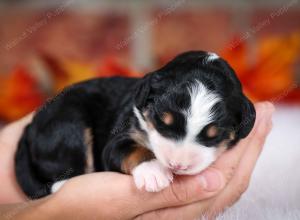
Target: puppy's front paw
152,176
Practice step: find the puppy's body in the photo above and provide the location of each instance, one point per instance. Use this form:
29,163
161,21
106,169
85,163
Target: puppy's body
54,144
177,119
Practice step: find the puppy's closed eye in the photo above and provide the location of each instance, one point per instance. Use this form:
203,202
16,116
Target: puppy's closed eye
211,135
210,131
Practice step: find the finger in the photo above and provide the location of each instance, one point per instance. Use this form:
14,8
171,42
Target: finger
184,190
263,110
240,181
230,159
255,147
186,212
9,137
123,192
10,134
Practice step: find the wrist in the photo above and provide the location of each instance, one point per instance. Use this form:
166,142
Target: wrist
46,208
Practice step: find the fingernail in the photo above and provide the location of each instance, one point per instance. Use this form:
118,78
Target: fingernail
211,180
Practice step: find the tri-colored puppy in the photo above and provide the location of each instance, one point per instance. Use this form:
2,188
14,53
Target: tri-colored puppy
176,120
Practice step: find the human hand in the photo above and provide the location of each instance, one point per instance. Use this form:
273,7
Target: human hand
10,192
114,196
235,167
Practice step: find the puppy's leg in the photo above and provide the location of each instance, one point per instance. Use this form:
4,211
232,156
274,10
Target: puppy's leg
46,156
152,176
124,155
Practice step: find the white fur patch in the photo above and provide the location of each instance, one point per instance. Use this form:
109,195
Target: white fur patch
56,186
199,114
142,122
152,176
211,57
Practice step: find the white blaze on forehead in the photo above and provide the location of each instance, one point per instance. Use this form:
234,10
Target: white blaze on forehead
139,116
200,113
211,57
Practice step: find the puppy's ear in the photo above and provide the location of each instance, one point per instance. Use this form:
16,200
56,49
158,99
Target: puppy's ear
245,114
142,92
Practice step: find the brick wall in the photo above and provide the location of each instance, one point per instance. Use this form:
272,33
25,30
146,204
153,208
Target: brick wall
261,40
144,33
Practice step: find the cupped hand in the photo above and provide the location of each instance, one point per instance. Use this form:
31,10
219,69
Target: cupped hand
9,138
114,196
110,195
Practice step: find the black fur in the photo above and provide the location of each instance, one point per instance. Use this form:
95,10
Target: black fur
54,142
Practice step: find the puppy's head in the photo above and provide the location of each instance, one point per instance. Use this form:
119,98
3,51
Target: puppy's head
192,110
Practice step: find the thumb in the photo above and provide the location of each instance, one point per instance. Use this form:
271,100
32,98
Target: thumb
184,190
119,193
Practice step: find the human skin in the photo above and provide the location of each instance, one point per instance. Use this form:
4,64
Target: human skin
108,195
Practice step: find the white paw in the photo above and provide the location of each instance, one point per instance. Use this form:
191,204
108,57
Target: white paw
152,176
56,186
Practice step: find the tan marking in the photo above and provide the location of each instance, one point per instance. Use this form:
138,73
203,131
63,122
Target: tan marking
212,131
88,141
139,155
221,147
232,135
167,118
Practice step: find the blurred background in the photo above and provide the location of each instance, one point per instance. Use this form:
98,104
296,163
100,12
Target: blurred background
47,45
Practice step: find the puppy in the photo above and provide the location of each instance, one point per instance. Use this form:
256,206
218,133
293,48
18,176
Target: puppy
174,121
